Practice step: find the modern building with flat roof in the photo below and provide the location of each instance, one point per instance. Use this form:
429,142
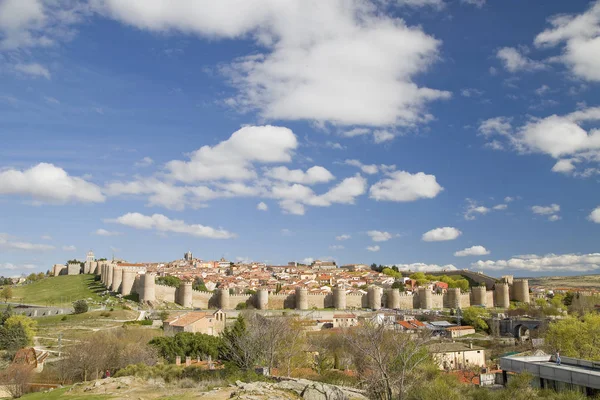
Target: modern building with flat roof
572,374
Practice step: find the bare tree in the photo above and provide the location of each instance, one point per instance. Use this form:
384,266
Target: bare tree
16,379
389,363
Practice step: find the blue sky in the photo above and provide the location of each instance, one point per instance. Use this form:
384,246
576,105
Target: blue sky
422,133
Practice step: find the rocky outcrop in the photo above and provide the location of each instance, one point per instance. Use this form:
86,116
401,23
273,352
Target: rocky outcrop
294,389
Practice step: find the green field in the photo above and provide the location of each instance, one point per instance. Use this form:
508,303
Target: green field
62,394
58,291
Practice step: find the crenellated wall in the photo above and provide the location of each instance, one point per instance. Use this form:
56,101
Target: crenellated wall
133,280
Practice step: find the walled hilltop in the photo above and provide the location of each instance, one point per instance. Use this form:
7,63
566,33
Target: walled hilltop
126,279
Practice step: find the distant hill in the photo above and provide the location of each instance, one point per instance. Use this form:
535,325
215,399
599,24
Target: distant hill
574,282
59,290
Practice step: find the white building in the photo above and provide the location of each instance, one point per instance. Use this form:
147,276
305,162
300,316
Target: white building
452,356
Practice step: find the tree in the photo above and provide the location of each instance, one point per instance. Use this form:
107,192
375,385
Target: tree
16,380
576,337
80,307
29,326
239,346
6,293
390,364
398,285
187,344
199,285
13,338
172,281
476,316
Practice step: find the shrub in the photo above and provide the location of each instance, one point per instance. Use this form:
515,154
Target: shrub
64,318
241,306
80,307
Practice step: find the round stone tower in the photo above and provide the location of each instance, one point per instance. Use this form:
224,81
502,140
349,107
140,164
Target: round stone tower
374,296
102,274
109,276
117,277
425,298
186,294
521,290
149,287
94,267
339,298
127,281
502,295
453,298
262,299
479,294
301,298
393,299
57,269
224,299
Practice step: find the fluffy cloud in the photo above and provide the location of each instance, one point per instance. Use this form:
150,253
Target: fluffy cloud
438,4
319,61
232,159
550,211
48,183
144,162
549,262
343,237
104,232
373,248
162,223
402,186
514,60
498,125
380,136
580,35
27,23
262,206
421,267
379,236
472,251
34,69
367,169
441,234
336,247
562,137
476,3
9,243
474,209
69,248
12,267
595,215
316,174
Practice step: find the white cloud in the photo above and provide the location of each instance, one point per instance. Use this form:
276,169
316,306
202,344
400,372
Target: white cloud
514,60
546,210
13,267
564,166
581,37
373,248
337,61
307,261
472,251
316,174
542,90
547,263
509,199
595,215
9,243
437,4
421,267
474,209
104,232
402,186
262,206
379,236
441,234
162,223
336,247
498,125
471,92
367,169
551,211
48,183
69,248
476,3
381,136
500,207
33,69
356,132
343,237
144,162
232,159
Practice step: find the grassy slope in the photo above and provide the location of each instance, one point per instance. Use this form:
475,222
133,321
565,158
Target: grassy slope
581,282
62,394
60,290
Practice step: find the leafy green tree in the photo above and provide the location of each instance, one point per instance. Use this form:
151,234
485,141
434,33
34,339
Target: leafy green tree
6,293
27,324
187,344
199,285
398,285
80,307
417,275
576,337
172,281
13,338
476,316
